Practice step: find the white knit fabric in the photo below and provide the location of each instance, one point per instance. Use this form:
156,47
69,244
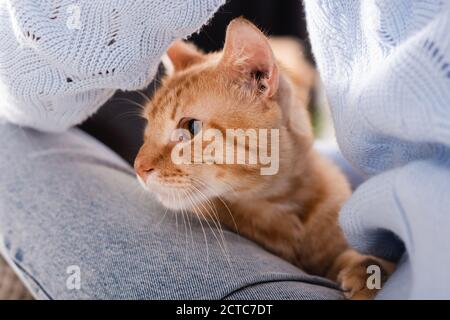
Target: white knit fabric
60,60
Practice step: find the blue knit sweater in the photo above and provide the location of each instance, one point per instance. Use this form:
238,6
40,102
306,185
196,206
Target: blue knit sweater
386,69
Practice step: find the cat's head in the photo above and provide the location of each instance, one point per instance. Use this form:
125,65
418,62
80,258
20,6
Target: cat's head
202,98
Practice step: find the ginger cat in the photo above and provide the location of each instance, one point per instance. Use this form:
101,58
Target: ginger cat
293,213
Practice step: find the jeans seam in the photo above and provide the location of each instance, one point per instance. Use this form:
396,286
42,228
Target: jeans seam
256,283
32,278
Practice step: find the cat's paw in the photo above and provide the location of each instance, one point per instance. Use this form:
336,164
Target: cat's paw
355,279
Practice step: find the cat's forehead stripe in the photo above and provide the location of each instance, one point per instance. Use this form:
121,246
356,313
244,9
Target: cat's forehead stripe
217,126
171,95
174,111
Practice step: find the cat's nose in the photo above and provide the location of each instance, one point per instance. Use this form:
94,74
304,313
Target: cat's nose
143,168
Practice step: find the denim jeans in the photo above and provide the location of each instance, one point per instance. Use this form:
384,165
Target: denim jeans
75,224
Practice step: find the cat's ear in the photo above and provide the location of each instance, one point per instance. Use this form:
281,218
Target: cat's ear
247,52
181,55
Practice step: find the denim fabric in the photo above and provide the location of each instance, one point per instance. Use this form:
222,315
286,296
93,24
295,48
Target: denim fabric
66,200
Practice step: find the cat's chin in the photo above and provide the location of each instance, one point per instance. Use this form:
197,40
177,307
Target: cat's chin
177,200
174,203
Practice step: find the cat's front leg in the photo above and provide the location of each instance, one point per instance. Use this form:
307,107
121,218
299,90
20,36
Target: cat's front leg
354,271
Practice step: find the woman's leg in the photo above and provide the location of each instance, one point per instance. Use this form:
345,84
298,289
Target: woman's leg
75,224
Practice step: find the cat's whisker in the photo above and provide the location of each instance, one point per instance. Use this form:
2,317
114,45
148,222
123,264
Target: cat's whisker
217,195
227,252
129,114
189,221
217,224
208,201
142,107
143,95
213,208
187,215
139,192
185,228
203,229
172,197
205,184
162,220
210,204
229,212
207,212
157,82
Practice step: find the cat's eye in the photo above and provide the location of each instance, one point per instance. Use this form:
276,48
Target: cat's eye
191,125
